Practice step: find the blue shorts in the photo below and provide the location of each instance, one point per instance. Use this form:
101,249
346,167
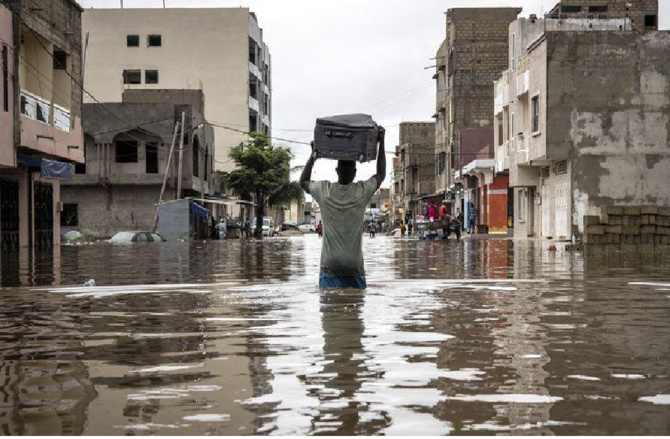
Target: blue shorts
330,281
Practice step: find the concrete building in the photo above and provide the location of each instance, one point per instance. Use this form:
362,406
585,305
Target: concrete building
605,87
217,50
40,117
397,182
469,60
416,165
642,13
119,185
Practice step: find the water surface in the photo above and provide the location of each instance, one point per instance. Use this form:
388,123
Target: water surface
234,338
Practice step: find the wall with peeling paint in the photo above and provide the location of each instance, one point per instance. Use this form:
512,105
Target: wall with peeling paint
609,111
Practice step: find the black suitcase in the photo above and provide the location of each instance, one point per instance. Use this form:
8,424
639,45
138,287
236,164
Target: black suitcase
346,137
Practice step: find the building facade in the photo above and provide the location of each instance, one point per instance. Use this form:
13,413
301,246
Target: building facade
217,50
469,60
642,13
605,86
119,185
40,117
416,169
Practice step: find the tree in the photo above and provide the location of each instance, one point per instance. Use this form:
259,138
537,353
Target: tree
264,173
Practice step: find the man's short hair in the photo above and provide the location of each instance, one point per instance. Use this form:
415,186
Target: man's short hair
346,164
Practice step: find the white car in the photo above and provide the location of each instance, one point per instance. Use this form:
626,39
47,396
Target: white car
132,237
268,227
307,228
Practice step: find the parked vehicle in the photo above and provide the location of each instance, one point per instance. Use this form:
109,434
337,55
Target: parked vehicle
268,226
307,228
289,225
133,237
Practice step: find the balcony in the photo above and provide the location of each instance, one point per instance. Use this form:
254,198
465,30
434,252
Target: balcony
266,120
253,104
523,151
266,89
502,157
40,109
523,83
255,71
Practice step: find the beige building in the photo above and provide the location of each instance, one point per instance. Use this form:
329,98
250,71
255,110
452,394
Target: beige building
603,84
416,170
40,117
219,51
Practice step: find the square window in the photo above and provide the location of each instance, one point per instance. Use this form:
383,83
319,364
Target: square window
151,76
126,151
651,21
132,76
154,40
133,41
60,60
571,9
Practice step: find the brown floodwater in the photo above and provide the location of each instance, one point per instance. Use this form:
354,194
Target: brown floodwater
477,337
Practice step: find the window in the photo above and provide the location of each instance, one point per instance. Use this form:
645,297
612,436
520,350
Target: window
544,172
253,90
69,216
196,159
521,208
512,52
151,76
5,78
599,8
535,113
253,124
571,9
501,136
561,168
151,149
132,76
133,41
80,168
154,40
650,21
59,60
126,151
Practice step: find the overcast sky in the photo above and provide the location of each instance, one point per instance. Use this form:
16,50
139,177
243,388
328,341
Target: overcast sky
345,56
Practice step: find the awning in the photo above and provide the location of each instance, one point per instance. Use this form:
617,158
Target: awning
48,168
200,211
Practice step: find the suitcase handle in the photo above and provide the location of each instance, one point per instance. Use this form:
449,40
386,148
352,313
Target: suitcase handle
348,135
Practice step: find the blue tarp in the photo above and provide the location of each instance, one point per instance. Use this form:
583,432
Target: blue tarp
200,211
48,168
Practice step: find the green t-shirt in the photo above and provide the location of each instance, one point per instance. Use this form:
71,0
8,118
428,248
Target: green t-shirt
342,212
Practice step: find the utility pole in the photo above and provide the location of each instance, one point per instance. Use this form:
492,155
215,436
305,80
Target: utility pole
181,155
167,171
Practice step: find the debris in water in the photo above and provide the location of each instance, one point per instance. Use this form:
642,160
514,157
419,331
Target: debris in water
89,283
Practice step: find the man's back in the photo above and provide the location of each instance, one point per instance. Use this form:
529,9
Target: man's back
342,212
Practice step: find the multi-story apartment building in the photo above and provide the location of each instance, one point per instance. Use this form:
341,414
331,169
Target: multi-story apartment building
471,57
40,117
416,165
217,50
581,120
127,156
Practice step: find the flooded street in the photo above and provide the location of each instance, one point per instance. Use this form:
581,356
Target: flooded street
234,338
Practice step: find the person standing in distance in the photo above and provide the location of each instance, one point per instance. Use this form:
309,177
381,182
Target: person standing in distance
343,214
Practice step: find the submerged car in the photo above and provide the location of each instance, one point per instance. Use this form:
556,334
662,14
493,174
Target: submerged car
289,225
132,237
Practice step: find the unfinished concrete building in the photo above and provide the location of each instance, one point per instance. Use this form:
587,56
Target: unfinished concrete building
605,88
470,59
416,165
642,13
119,185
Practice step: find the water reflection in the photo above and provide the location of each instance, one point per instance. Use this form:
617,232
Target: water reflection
470,337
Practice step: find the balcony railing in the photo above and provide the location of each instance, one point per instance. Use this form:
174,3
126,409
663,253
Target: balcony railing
266,120
40,109
502,157
523,83
523,151
253,104
255,71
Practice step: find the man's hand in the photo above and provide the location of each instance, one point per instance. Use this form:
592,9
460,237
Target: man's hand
381,157
381,133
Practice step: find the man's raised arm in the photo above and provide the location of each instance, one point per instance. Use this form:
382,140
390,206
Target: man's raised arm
381,158
306,175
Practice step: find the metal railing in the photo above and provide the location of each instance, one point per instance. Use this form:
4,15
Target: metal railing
40,109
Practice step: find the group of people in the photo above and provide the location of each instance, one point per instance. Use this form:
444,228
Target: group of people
220,228
449,223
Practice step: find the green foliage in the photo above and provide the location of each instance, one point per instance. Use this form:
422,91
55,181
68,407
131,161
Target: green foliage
263,173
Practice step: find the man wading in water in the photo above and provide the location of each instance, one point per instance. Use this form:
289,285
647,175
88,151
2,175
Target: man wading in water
342,210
